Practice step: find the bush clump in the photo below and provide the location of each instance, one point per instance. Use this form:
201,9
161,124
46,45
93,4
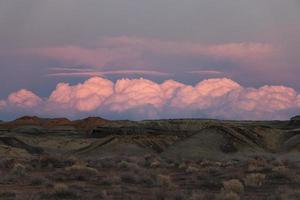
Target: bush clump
255,180
229,196
61,190
233,185
81,172
19,170
164,180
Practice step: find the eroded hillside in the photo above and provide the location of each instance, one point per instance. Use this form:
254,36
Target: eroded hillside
96,158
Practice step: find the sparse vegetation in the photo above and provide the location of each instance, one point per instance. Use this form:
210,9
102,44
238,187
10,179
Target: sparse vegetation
94,171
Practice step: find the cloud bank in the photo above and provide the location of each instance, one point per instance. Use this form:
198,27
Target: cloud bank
144,99
138,51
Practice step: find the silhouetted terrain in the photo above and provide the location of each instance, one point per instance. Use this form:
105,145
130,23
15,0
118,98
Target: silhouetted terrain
95,158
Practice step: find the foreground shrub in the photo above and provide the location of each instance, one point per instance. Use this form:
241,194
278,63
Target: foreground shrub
38,181
19,170
7,163
164,180
81,172
228,196
7,195
282,172
62,191
155,164
286,193
192,169
127,165
233,185
255,180
258,165
201,196
51,162
110,180
182,166
130,178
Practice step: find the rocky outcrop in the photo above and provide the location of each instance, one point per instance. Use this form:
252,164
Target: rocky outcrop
295,121
194,137
36,124
16,143
89,123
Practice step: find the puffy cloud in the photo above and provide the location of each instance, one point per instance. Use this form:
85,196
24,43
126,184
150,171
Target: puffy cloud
2,104
142,98
83,97
271,102
24,99
135,93
204,93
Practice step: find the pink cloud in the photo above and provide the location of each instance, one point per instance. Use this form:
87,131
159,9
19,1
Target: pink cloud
83,97
2,104
204,93
134,51
206,72
24,98
98,57
92,73
142,98
229,50
131,93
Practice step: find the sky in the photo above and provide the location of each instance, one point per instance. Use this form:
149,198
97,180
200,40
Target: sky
138,59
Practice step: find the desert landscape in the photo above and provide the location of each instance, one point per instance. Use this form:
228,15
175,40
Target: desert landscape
149,100
95,158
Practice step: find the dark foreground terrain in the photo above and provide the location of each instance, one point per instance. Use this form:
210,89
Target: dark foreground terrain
161,159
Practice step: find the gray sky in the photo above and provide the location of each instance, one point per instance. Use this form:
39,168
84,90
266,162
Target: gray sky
254,43
57,22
